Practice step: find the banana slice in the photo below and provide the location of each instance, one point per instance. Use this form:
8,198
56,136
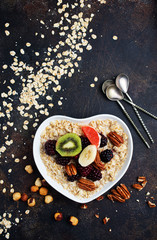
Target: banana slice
88,155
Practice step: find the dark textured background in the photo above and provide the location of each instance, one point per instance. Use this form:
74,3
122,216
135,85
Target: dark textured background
135,53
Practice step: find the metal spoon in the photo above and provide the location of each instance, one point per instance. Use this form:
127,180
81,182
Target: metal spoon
114,94
122,82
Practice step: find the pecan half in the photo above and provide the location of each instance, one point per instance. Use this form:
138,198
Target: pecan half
115,193
144,183
100,198
110,197
137,186
71,169
105,220
122,192
98,163
86,184
118,199
151,205
141,179
126,190
115,139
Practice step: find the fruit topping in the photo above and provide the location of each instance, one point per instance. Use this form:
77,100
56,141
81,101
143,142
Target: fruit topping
106,155
85,142
73,177
84,171
62,160
50,146
95,175
92,135
87,156
103,142
69,145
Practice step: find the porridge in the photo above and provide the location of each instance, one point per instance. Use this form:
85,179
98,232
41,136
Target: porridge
79,174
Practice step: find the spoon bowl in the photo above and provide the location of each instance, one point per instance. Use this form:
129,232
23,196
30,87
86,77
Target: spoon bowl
106,84
113,93
122,82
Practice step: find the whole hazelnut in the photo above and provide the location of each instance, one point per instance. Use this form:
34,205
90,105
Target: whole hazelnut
58,216
34,188
44,183
73,220
16,196
48,199
38,182
24,197
43,191
31,202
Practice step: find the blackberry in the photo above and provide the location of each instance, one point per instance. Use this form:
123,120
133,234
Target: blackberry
95,175
84,171
73,177
106,155
103,142
85,142
50,147
62,160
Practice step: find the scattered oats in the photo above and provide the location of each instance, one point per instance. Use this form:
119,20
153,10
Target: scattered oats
92,85
95,79
1,181
27,211
115,38
42,22
28,44
5,66
25,127
35,124
59,103
6,25
110,230
89,47
12,190
7,33
51,105
29,169
4,190
10,170
12,81
37,53
22,51
25,157
93,36
53,32
12,53
17,160
48,98
17,220
148,193
42,35
7,235
137,200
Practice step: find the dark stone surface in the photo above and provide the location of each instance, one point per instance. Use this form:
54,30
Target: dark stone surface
135,53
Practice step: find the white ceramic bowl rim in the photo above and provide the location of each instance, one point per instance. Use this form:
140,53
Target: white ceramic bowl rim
42,168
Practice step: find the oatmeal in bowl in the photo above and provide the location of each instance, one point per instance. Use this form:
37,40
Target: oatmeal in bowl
83,158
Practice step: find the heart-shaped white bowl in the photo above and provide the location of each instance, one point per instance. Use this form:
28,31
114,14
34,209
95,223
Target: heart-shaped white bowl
42,168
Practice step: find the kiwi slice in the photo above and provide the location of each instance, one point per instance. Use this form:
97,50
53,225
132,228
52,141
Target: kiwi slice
69,145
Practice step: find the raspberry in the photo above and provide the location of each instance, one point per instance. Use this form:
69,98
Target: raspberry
103,141
85,142
84,171
73,178
62,160
50,146
95,175
106,155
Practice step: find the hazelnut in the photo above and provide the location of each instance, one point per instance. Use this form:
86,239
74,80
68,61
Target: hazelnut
43,191
73,220
44,183
34,188
38,182
24,197
58,216
16,196
31,202
29,169
48,199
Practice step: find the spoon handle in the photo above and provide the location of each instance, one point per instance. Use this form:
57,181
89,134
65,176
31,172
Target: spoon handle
130,119
140,118
145,111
